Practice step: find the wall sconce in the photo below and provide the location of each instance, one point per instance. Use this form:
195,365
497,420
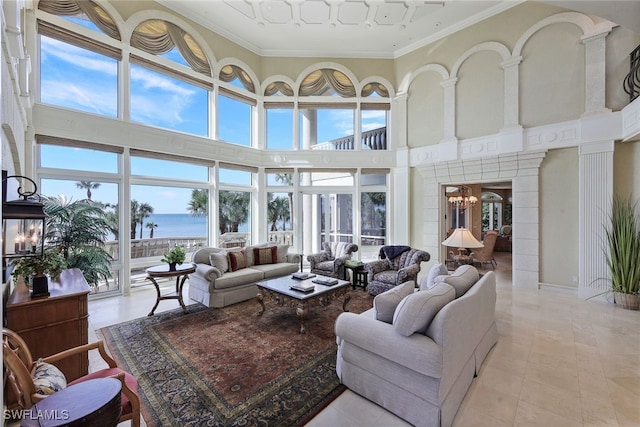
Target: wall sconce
23,221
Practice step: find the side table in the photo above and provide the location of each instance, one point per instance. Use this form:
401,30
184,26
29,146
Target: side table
94,402
358,275
162,271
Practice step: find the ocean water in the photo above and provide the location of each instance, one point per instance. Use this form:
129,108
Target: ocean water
175,225
178,225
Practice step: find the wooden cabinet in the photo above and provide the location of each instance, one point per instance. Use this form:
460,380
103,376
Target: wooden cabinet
54,323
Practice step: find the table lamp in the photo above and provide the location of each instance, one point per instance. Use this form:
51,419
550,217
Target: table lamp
462,239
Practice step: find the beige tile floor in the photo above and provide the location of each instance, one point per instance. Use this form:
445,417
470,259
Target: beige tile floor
559,361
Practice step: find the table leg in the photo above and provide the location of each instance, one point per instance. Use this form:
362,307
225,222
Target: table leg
158,295
347,298
179,292
302,312
260,299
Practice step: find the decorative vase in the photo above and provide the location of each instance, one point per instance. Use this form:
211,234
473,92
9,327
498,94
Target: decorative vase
627,301
172,266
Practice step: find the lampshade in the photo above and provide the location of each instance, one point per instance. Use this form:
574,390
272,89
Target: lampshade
462,238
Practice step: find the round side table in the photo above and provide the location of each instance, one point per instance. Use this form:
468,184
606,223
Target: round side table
94,402
162,271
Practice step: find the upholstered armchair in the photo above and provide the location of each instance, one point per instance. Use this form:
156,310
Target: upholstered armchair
330,262
485,254
386,273
33,380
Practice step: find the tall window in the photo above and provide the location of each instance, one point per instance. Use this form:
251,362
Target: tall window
234,206
162,100
279,128
168,207
78,78
234,121
82,205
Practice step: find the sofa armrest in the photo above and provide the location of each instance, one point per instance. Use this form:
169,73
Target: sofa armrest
208,272
294,258
416,352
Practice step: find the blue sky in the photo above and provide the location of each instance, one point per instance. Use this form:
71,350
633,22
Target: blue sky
79,79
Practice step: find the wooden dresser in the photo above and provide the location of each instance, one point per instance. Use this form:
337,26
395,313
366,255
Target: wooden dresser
55,323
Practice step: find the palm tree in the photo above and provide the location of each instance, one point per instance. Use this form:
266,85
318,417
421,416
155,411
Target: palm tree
277,210
198,205
135,215
233,209
89,185
151,226
144,211
78,229
287,178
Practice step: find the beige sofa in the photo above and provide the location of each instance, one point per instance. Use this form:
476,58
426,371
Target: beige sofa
421,364
215,284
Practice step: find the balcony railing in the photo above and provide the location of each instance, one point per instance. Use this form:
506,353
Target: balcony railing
375,139
632,81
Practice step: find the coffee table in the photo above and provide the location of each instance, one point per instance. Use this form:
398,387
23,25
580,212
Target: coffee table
280,293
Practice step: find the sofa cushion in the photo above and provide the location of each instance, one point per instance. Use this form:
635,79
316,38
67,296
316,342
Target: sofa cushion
244,276
237,260
48,378
220,261
435,271
385,303
462,279
268,255
415,311
277,270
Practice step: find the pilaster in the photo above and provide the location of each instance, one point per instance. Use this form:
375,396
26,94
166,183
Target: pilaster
595,169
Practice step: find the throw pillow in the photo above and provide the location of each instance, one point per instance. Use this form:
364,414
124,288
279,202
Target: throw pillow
263,256
338,249
435,271
220,261
237,260
48,378
283,250
385,303
416,311
462,279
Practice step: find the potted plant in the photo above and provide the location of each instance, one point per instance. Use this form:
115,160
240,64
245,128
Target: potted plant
175,256
35,269
623,252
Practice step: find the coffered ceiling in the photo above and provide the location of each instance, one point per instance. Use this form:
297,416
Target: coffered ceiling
336,28
361,28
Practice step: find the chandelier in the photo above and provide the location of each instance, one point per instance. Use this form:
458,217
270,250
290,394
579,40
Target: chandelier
464,199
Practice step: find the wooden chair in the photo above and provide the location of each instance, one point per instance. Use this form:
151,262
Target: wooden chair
485,255
19,366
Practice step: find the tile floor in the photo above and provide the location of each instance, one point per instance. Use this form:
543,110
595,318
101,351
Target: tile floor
559,361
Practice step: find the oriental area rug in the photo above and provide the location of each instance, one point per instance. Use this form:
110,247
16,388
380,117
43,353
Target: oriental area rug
231,367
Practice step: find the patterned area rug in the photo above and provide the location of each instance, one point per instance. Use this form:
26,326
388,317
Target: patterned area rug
229,367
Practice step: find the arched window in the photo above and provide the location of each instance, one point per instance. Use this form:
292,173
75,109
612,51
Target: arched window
83,12
279,116
154,86
163,38
492,211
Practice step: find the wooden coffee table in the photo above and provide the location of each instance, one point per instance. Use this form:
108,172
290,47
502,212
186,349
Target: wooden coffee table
280,293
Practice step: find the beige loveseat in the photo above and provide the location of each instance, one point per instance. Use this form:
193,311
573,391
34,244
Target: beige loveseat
221,278
420,364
